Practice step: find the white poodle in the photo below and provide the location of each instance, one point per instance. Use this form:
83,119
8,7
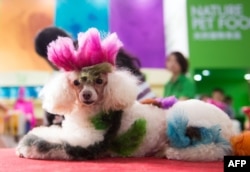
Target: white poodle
103,118
100,110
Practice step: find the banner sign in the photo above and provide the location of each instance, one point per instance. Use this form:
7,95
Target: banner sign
219,33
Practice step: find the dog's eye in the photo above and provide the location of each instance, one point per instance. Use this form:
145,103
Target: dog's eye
99,81
76,82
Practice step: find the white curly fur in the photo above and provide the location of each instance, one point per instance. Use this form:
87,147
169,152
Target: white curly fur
121,90
58,94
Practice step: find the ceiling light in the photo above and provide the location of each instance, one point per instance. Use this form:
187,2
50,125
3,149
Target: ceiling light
247,76
197,77
205,72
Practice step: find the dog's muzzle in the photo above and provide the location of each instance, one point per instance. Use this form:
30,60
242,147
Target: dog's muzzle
87,95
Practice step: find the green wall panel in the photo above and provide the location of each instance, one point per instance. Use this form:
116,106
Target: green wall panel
219,33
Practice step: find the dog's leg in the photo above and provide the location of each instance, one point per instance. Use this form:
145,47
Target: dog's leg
55,143
50,143
202,152
43,143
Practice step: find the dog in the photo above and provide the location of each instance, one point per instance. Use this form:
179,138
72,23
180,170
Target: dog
102,116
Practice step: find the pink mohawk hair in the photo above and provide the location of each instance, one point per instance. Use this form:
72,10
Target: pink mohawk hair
91,50
111,46
62,53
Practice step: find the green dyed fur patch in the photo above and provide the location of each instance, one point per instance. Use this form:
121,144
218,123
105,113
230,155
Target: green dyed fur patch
102,120
128,142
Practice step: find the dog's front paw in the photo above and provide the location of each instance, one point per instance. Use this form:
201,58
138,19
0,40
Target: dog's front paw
22,151
25,148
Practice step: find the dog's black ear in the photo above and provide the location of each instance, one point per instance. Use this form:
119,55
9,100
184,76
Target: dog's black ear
45,36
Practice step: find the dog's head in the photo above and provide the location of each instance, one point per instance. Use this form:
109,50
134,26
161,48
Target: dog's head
91,82
89,79
99,86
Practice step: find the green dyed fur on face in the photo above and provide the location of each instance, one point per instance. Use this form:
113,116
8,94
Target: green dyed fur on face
128,142
91,73
102,121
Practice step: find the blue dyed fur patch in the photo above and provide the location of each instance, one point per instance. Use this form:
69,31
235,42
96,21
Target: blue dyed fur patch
176,133
176,129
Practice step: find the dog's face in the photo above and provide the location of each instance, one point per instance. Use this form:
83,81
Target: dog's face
90,83
90,89
95,87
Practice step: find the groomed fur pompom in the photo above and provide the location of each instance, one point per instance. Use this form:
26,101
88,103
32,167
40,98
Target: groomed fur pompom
58,95
45,36
111,45
121,90
62,54
91,50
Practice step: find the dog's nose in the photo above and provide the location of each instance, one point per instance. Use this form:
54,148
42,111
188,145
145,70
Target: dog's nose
87,95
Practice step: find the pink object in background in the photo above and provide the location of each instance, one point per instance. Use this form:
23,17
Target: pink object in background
25,106
246,110
220,105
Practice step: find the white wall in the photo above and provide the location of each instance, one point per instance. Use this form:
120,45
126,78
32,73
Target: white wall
24,78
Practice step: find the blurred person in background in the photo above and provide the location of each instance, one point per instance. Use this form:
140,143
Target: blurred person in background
128,62
218,95
223,102
217,98
229,108
179,85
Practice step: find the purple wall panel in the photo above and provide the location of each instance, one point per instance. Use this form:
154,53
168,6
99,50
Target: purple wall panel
139,24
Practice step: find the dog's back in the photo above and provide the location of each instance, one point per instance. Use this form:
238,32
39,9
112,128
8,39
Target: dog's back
198,131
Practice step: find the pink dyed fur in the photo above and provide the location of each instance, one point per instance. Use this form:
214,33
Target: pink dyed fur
62,54
90,47
91,50
111,48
